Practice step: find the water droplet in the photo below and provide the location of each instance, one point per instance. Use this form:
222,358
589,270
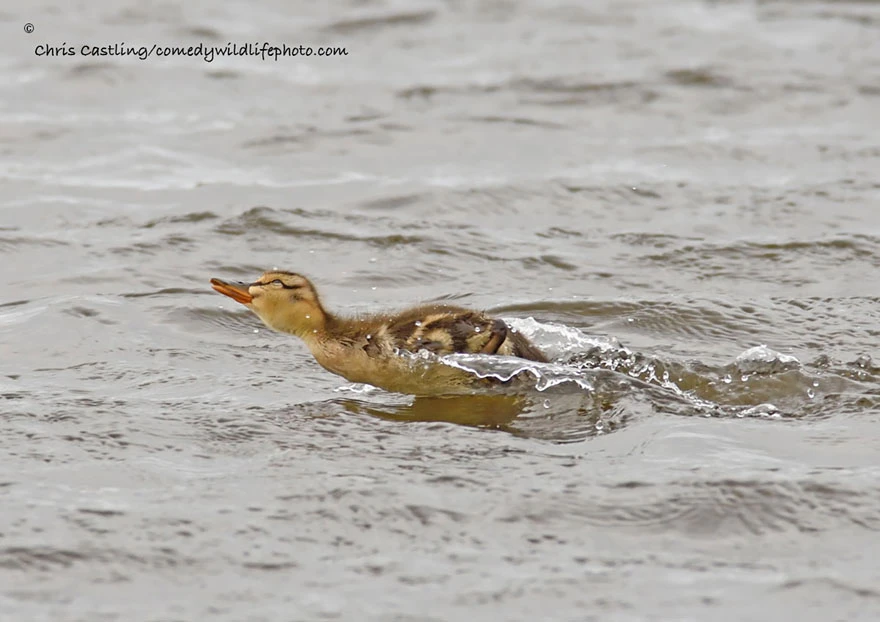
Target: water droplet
256,330
863,361
417,323
815,383
546,403
476,329
745,378
369,337
373,288
373,260
308,317
315,330
811,393
727,379
629,319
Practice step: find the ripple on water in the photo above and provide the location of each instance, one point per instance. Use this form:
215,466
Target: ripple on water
717,507
48,558
228,319
762,261
371,22
258,221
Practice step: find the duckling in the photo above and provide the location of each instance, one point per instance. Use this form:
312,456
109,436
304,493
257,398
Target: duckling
368,349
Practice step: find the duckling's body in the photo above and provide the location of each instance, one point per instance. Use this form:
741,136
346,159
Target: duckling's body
369,349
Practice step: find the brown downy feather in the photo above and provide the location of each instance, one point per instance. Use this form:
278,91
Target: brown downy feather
443,329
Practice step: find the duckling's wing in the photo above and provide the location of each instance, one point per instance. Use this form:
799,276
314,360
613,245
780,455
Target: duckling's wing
492,339
449,332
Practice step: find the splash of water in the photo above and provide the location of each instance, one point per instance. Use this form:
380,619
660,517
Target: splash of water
763,360
506,368
759,382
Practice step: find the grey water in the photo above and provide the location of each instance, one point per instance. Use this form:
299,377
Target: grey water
679,201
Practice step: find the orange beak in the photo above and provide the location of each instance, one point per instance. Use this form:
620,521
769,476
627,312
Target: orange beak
237,291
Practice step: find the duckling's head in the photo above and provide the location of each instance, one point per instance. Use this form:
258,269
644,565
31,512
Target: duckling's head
285,301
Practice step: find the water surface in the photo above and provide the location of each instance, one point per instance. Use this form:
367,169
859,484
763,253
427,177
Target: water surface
678,201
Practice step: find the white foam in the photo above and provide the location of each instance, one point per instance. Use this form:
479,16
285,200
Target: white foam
763,354
506,368
557,340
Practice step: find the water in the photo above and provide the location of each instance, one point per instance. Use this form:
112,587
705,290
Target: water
678,201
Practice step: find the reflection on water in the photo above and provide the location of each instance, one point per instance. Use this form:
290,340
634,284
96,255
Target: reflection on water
492,411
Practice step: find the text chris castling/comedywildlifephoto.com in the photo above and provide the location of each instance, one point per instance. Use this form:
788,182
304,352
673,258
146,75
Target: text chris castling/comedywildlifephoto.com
208,53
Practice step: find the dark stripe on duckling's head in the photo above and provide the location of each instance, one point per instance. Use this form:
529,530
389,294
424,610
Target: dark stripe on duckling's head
279,283
280,278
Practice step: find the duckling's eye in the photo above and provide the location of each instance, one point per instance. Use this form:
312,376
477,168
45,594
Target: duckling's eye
277,283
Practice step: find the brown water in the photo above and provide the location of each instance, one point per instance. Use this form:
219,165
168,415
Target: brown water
679,201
